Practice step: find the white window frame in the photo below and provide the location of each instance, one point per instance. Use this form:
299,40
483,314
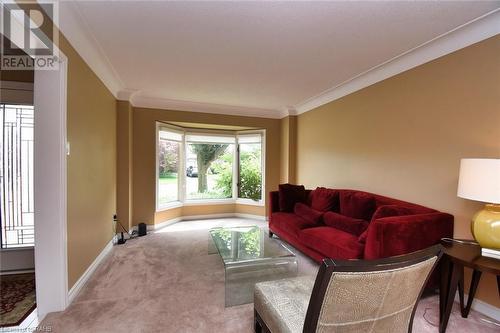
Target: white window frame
245,201
180,175
182,199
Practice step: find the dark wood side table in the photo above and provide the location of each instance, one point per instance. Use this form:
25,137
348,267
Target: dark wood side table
457,255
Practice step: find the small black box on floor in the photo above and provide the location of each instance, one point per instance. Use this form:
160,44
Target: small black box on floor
142,229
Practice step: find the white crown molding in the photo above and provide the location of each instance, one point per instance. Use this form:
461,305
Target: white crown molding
479,29
126,94
75,29
170,104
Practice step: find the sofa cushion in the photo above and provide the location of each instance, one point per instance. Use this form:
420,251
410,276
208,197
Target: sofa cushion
307,213
290,222
324,199
290,195
345,223
392,210
363,236
332,243
358,205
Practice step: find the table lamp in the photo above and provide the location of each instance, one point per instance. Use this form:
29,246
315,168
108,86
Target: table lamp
479,180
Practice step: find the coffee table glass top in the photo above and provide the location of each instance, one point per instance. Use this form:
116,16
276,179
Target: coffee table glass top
243,244
249,256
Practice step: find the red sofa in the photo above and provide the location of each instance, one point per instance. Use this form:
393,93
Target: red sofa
377,226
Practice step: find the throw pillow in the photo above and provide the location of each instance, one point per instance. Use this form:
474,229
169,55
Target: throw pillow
392,210
289,195
324,199
307,213
345,223
358,205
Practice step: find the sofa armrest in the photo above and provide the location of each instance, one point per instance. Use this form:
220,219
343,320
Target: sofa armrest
274,202
396,235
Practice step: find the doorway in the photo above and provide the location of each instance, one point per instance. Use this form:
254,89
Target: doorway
17,234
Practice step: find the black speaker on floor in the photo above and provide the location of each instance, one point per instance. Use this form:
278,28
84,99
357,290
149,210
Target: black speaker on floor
142,229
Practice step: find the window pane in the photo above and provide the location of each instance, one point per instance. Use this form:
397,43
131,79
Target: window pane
209,171
168,171
250,182
16,175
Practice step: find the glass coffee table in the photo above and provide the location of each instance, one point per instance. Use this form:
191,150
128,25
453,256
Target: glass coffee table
249,256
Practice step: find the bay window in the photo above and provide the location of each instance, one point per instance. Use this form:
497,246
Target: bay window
208,166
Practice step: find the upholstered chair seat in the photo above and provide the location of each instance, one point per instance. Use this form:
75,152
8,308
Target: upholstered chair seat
347,296
283,303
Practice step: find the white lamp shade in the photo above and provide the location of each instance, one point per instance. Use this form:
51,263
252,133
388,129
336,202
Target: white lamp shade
480,180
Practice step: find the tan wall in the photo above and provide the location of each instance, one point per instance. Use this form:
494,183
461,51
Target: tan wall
91,128
404,137
144,161
169,214
292,149
173,213
288,154
208,209
124,134
250,210
284,149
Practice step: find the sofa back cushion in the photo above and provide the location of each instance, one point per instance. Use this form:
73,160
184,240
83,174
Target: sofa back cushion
393,210
358,205
418,209
345,223
325,199
307,213
289,195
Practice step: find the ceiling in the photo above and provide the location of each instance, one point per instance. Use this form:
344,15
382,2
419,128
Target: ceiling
267,56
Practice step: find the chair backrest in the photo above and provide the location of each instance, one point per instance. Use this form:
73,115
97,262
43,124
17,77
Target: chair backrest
373,296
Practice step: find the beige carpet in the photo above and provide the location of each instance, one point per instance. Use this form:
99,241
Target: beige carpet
167,282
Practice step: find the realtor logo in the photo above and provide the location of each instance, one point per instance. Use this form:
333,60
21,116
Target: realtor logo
29,35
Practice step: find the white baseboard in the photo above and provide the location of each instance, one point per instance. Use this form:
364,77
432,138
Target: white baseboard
164,223
207,216
77,287
482,307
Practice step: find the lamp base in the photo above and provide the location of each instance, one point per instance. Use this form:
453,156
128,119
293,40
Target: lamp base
485,226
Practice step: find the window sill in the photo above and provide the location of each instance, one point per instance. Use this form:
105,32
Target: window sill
205,202
250,202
